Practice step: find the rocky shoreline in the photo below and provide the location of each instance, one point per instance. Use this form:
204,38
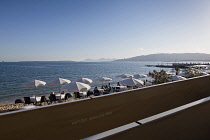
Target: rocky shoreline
12,106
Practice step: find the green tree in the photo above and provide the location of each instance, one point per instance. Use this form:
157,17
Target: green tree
160,77
177,69
190,72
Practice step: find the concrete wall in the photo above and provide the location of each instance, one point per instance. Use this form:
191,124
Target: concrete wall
82,119
190,124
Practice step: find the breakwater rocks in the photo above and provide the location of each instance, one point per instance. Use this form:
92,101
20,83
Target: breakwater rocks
10,107
17,106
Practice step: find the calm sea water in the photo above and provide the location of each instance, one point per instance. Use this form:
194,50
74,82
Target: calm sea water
14,74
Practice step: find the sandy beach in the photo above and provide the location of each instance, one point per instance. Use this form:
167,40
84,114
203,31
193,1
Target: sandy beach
81,119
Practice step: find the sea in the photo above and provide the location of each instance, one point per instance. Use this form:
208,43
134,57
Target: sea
14,74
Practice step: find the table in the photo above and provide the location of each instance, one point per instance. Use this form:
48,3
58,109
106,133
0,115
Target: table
32,99
101,90
120,88
83,94
60,96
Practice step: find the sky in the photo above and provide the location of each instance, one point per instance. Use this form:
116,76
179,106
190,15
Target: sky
60,30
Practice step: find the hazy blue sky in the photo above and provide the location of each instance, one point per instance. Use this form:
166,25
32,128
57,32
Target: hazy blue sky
80,29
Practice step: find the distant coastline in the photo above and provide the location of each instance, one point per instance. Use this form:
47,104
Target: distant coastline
160,57
167,57
47,61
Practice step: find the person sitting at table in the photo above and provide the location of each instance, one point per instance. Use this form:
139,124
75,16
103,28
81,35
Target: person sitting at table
107,90
102,87
95,89
52,96
118,83
96,92
62,92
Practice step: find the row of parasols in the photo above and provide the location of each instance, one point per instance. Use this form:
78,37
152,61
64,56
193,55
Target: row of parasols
81,84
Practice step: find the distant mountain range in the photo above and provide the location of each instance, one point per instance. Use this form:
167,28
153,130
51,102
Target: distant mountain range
49,61
173,57
99,60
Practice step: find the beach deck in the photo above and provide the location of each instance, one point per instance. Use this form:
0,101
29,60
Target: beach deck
86,117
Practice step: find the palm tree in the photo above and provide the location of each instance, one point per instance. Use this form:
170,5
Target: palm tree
177,69
190,72
160,77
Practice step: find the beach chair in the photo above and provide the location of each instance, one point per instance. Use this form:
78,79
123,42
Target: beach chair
130,87
68,95
52,98
89,93
43,99
113,89
135,87
77,95
27,100
117,89
19,101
